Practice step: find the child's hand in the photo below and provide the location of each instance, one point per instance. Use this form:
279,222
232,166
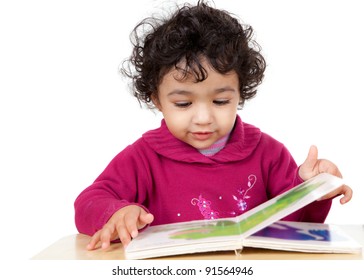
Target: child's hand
124,224
313,166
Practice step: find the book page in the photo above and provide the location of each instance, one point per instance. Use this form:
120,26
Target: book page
268,212
304,237
229,233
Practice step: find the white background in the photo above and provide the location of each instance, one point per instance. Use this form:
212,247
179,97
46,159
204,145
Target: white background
65,112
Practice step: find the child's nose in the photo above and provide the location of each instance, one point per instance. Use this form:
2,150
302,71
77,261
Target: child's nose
203,115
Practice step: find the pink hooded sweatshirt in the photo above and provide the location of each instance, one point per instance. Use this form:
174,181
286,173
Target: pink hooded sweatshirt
175,182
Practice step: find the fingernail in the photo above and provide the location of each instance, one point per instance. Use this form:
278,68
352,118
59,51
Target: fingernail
134,234
104,245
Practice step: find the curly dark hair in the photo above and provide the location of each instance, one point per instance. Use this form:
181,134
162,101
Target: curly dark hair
191,34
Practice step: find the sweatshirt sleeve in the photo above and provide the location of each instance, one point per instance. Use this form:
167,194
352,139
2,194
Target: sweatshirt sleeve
283,175
119,185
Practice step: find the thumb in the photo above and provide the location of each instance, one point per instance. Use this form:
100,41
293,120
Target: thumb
311,158
144,219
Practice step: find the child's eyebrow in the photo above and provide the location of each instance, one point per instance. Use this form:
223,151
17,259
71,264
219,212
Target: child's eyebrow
179,92
223,89
186,92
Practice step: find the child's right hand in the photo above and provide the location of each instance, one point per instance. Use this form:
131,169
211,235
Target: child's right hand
124,224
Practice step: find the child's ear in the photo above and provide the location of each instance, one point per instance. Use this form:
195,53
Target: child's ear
155,101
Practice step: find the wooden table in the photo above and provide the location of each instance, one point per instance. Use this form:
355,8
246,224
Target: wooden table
73,247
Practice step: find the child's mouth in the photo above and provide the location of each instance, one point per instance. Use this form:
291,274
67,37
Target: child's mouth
201,135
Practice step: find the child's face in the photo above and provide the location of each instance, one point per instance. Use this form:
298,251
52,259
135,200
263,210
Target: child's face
199,113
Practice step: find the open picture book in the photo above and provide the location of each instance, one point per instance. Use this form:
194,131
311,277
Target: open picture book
259,227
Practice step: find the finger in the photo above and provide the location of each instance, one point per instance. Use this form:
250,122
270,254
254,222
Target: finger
131,221
329,167
348,194
106,236
94,240
145,219
312,157
124,235
343,190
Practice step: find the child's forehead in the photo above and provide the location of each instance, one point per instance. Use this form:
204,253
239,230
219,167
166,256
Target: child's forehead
177,77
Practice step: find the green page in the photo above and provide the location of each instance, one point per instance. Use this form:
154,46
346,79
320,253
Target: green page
258,217
228,233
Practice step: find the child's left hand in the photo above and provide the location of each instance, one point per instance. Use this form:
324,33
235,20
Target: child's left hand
313,166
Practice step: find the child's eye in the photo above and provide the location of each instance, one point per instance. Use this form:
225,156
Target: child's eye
182,104
221,102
